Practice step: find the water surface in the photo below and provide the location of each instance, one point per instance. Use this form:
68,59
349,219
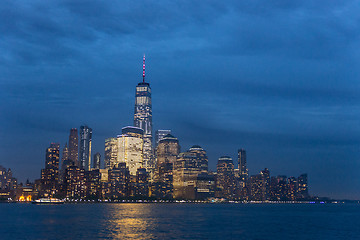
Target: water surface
180,221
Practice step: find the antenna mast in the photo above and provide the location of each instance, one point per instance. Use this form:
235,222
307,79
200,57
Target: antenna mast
144,68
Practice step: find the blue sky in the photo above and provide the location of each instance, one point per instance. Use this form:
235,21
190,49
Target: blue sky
278,78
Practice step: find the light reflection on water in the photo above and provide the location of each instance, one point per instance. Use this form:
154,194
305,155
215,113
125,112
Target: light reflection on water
132,221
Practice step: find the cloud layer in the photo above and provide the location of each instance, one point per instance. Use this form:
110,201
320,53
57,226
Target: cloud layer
278,78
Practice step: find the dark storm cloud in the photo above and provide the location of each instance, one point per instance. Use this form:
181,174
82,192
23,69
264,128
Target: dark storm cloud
277,77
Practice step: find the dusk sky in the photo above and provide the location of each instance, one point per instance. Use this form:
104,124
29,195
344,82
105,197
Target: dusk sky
279,78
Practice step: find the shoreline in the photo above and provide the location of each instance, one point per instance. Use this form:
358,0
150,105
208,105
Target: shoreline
80,201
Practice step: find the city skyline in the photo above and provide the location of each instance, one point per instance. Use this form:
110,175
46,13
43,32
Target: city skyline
290,100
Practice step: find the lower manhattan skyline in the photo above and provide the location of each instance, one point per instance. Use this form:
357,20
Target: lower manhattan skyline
223,76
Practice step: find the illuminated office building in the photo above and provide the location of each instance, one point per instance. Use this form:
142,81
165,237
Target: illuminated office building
74,146
119,181
93,184
185,175
50,174
7,181
191,170
85,148
205,186
167,151
279,188
160,134
141,186
260,186
111,153
143,120
243,171
201,158
130,148
303,192
292,188
74,182
225,178
266,186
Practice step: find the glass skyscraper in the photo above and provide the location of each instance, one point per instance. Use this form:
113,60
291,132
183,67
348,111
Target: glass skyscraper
85,148
111,153
74,146
243,171
143,120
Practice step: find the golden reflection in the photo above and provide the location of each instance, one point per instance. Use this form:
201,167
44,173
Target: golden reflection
131,221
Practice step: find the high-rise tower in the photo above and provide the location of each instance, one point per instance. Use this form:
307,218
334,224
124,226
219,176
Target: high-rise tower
243,171
73,146
85,148
111,153
225,177
143,120
50,174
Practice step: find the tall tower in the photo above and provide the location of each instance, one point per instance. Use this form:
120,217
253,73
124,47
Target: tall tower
85,148
74,146
111,153
143,120
50,174
243,171
65,153
225,177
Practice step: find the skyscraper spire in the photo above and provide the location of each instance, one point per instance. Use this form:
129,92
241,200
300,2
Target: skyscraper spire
143,120
144,68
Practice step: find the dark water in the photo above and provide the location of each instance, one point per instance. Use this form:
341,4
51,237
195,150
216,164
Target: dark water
179,221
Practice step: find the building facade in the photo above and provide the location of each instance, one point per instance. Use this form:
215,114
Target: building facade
185,175
303,188
143,120
260,186
225,179
74,146
111,153
85,148
159,134
96,161
167,151
201,158
243,171
119,181
50,174
130,148
8,183
74,183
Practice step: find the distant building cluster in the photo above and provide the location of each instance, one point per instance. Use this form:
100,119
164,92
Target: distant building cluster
137,167
8,183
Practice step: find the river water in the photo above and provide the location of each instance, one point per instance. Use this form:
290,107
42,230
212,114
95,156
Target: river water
180,221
